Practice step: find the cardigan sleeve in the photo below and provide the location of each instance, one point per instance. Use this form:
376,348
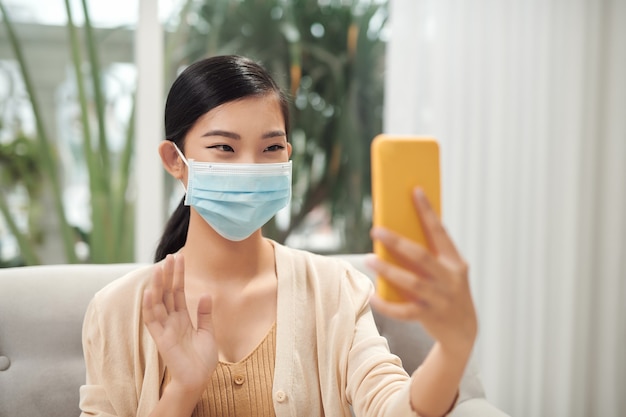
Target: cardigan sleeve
377,385
122,364
94,400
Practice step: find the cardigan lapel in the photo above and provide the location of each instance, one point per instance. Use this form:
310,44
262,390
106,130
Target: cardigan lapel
286,343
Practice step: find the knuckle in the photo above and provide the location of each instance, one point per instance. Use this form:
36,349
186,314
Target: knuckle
392,239
464,266
410,313
417,310
417,285
384,268
421,256
458,268
463,269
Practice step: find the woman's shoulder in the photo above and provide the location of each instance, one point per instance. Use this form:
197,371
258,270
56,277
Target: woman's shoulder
301,258
125,291
327,272
114,340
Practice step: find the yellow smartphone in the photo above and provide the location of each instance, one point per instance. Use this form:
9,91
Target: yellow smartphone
399,165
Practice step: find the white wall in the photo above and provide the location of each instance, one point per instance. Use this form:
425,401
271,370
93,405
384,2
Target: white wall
528,99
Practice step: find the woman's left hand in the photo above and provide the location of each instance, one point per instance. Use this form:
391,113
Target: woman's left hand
434,282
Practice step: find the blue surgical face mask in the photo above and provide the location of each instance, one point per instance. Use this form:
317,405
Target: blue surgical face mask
237,199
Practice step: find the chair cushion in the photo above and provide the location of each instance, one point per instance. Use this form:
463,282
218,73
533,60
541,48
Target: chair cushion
41,315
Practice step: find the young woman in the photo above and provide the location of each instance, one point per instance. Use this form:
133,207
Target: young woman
230,323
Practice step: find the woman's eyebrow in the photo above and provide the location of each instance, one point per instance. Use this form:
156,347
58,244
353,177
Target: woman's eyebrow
273,134
223,133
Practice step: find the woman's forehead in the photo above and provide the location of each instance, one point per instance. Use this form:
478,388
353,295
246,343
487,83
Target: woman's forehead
261,112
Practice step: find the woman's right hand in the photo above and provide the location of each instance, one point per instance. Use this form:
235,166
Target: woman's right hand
190,354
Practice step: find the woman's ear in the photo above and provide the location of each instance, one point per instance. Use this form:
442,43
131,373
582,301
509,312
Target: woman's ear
289,149
172,162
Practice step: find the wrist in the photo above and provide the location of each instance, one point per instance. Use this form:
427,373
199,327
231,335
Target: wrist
177,400
183,393
457,349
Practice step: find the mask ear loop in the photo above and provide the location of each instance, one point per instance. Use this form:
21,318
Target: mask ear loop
186,163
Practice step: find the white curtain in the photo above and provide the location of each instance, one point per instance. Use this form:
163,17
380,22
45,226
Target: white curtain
528,100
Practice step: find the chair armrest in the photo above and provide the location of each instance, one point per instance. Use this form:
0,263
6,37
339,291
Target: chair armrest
476,407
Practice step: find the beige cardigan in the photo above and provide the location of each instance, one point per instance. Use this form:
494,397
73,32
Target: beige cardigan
328,351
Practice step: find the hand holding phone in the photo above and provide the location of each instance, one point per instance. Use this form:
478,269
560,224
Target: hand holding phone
415,252
399,165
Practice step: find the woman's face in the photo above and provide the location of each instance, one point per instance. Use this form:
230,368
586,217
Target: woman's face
250,130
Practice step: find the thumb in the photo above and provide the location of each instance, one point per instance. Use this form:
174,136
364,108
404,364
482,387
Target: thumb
205,314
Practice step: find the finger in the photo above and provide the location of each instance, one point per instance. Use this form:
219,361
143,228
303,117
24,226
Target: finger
409,284
409,254
178,287
438,239
429,292
205,314
153,325
400,311
156,284
168,277
156,292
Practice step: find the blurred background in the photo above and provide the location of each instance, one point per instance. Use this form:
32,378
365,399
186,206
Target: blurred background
527,99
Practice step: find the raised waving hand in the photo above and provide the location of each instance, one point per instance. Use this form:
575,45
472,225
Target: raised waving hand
190,354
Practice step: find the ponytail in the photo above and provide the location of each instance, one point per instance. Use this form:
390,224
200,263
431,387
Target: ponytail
175,233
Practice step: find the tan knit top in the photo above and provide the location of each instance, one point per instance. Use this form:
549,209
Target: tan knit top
243,388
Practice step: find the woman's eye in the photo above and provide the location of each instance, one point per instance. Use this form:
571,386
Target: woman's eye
274,148
223,148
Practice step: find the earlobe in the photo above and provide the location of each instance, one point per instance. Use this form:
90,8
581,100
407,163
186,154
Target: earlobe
171,160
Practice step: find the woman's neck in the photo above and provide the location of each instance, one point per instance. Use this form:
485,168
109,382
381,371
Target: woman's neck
210,256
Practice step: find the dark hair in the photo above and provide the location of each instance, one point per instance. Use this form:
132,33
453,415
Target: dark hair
200,88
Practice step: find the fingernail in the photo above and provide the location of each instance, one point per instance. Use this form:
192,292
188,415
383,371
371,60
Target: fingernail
421,197
378,233
370,260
